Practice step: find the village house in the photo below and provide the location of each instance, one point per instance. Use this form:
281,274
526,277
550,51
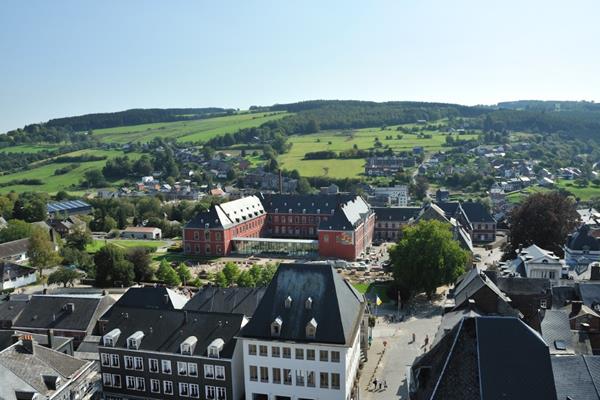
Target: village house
141,232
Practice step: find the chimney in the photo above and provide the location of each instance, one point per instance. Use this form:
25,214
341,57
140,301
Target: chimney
70,307
575,307
280,182
27,342
51,339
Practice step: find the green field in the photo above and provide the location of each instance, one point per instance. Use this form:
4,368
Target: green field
584,193
345,140
29,148
185,131
54,183
124,244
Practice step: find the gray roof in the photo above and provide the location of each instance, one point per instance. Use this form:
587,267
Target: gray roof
556,331
486,358
583,240
70,205
472,283
589,292
24,366
10,270
50,312
165,330
7,336
228,214
11,309
157,298
336,306
523,286
577,377
16,247
402,214
236,300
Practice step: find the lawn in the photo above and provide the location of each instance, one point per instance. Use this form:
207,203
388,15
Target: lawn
583,193
345,140
185,131
54,183
124,244
25,148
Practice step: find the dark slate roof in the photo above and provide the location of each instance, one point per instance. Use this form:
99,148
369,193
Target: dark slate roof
69,205
165,330
556,330
157,298
11,309
577,377
336,306
449,209
476,212
395,213
562,294
32,367
10,270
13,248
589,293
7,336
348,215
523,286
486,358
309,203
236,300
471,283
49,312
582,239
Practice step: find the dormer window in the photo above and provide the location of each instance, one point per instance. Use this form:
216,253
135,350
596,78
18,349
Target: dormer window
133,341
188,345
110,339
308,303
276,327
311,329
215,347
288,302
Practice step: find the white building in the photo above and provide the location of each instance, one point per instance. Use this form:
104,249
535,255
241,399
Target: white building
535,262
304,340
583,246
15,275
396,195
142,232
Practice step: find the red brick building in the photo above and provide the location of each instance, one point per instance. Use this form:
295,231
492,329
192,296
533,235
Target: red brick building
342,224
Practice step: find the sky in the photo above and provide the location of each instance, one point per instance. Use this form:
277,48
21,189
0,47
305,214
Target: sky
62,58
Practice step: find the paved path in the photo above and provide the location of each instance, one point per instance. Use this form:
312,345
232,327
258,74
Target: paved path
391,364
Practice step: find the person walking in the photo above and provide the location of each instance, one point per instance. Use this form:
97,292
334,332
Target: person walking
414,338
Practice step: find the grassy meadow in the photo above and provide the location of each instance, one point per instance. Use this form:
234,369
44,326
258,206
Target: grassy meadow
345,140
54,183
29,148
185,131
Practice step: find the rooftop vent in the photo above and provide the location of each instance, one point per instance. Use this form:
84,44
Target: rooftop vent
276,327
308,303
288,302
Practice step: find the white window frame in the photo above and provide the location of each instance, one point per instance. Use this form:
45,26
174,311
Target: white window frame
181,364
221,390
208,389
128,360
222,369
114,363
187,389
138,361
165,384
193,366
128,380
209,371
166,362
197,388
105,359
152,383
139,379
153,360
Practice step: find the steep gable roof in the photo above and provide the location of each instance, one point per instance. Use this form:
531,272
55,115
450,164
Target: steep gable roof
336,306
395,213
236,300
582,239
577,377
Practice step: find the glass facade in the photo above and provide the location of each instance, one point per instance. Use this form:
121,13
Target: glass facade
275,246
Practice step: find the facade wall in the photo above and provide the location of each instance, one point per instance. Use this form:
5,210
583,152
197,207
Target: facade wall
18,282
299,371
174,377
483,232
294,225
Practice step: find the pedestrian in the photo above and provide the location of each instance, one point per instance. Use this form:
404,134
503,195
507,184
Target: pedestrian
375,384
380,385
426,340
414,338
384,384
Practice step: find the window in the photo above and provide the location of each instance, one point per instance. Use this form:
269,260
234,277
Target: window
105,359
207,249
132,344
287,376
299,377
287,352
192,369
207,236
310,378
153,365
221,393
209,371
116,381
335,356
138,363
130,382
218,236
184,389
168,387
264,374
323,380
335,381
252,349
194,390
114,360
263,351
154,385
128,362
196,235
310,354
166,367
326,238
253,373
323,355
107,379
220,372
181,368
299,354
276,375
108,342
210,392
140,383
275,351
